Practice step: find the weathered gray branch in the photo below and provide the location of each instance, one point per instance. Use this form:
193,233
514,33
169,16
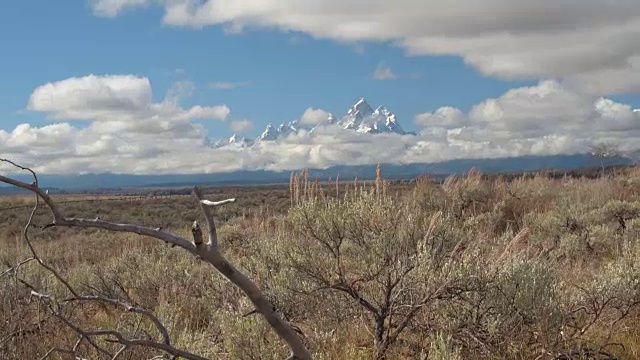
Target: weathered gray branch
212,255
15,268
129,308
71,351
54,306
217,203
208,252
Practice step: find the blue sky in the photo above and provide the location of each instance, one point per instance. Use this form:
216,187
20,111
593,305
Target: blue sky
289,72
293,57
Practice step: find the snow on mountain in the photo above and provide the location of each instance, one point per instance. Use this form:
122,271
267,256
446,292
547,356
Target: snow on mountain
360,118
290,128
234,140
380,121
363,119
272,133
636,110
356,115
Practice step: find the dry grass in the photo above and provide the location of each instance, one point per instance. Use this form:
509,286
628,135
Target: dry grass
526,268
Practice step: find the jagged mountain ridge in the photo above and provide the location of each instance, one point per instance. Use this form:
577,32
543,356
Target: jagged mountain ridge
233,140
360,117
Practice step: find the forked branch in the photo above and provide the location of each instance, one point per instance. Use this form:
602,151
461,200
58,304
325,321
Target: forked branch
208,252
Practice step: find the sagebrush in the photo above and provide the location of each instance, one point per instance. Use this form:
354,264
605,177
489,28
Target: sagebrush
473,268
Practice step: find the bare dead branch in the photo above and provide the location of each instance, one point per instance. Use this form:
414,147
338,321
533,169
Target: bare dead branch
212,255
217,203
49,301
54,306
209,253
15,268
129,308
213,234
119,352
115,336
72,351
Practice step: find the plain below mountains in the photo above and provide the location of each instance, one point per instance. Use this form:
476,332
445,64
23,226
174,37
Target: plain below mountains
261,177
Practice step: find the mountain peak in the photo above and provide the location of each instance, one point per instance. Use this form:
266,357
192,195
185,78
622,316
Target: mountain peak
272,133
361,108
234,140
360,118
269,133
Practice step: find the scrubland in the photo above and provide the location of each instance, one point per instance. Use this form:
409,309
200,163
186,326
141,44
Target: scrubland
471,268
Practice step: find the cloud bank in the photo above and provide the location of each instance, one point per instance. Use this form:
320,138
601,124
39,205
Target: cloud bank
591,44
129,132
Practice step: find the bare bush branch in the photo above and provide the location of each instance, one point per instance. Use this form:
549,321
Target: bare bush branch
209,253
213,256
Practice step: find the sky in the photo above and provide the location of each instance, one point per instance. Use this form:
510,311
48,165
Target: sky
147,86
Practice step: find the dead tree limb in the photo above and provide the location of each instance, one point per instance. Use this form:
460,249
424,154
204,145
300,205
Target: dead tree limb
212,255
208,252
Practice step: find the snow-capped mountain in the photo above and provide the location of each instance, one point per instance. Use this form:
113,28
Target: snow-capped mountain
381,121
356,115
272,133
360,117
233,140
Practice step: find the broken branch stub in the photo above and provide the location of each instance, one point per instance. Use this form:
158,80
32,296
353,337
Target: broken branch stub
217,203
197,234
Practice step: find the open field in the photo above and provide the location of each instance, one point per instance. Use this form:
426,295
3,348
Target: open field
472,268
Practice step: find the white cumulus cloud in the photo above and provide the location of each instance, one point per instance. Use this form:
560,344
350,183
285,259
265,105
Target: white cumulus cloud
547,114
128,132
447,117
122,101
590,43
92,96
312,116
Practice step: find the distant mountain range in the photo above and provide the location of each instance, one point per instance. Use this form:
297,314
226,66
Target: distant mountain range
389,171
360,117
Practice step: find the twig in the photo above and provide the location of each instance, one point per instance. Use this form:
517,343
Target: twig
129,308
15,268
